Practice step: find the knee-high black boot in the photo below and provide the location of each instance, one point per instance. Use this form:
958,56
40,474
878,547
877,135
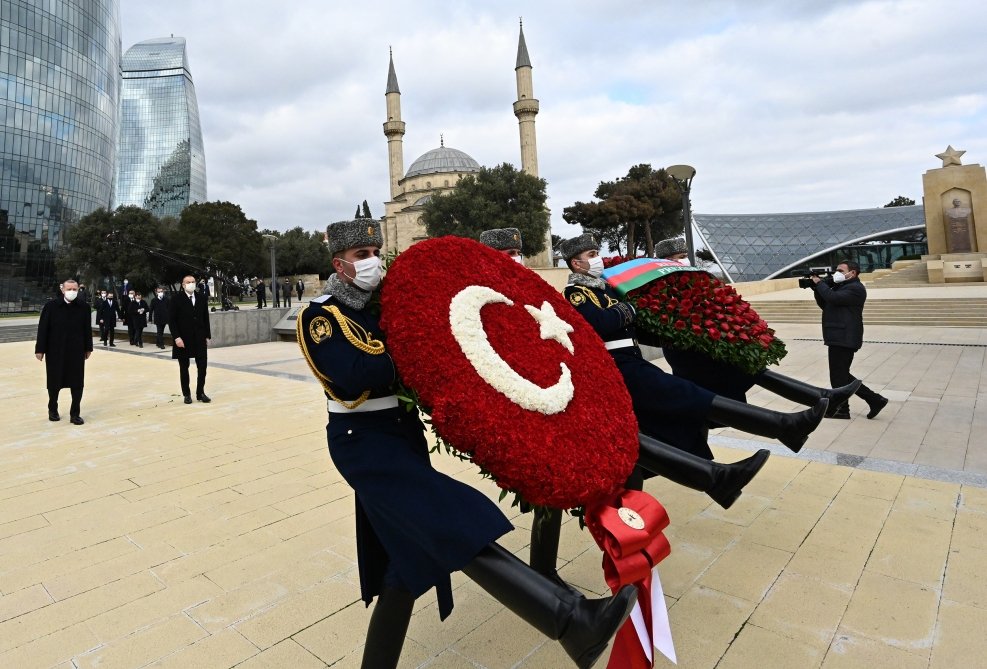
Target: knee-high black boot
388,628
722,482
791,429
546,526
583,626
806,393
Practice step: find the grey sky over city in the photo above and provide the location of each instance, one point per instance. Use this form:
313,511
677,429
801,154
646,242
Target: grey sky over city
781,106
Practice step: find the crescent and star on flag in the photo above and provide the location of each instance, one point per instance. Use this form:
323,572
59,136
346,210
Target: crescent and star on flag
467,329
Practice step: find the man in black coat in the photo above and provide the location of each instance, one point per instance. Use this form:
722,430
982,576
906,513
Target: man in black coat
286,292
300,287
106,316
138,318
157,312
261,290
65,342
189,323
841,299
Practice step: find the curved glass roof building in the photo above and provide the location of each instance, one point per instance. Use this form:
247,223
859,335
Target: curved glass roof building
161,164
59,85
750,247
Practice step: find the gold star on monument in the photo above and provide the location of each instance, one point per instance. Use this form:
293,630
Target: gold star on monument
950,156
551,326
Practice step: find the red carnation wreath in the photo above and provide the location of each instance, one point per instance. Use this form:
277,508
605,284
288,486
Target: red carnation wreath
485,344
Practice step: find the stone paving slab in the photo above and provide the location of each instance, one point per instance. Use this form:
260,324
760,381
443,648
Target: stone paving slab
220,535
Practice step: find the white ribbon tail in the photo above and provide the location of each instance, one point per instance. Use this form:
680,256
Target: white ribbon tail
662,630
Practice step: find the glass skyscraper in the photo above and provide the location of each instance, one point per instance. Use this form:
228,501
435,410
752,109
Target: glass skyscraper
59,84
161,165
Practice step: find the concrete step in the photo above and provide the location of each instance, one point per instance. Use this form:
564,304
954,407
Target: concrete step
947,312
9,333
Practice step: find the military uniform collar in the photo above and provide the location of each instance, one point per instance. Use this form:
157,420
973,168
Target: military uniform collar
587,280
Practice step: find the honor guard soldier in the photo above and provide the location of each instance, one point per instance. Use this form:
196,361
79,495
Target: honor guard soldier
415,525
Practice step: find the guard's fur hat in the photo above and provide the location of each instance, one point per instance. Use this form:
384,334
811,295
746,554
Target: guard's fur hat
358,232
570,248
501,238
669,247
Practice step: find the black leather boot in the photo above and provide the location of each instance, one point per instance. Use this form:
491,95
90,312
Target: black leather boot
806,393
583,626
791,429
722,482
388,628
546,528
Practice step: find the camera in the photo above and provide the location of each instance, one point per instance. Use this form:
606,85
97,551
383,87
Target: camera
805,281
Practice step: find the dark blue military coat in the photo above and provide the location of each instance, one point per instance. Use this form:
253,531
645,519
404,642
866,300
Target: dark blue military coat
667,408
414,525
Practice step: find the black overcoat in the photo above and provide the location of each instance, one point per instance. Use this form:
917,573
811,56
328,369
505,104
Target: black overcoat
189,323
108,313
414,525
138,313
64,336
157,310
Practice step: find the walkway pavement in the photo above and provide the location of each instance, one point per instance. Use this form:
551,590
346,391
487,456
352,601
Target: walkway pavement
220,535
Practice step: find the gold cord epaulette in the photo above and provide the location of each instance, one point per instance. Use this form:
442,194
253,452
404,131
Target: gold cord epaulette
591,296
323,379
355,333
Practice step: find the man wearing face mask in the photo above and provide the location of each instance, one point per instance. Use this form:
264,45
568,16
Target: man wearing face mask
138,318
64,343
415,525
674,250
188,320
842,302
107,315
158,313
505,240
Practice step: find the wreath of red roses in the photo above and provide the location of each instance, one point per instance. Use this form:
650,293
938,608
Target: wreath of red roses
568,459
695,311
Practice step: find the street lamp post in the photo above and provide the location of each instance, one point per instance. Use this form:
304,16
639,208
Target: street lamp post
683,174
274,274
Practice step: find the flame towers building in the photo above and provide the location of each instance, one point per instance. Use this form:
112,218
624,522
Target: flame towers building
59,84
161,164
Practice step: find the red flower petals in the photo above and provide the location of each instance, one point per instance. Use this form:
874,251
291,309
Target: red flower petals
572,458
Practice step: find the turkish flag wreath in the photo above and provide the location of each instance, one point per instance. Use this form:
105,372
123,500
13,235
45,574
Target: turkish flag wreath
512,375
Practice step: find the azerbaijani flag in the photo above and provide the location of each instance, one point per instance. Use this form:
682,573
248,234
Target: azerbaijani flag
632,274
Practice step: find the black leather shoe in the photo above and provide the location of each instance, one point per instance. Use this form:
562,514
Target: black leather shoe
876,406
53,416
76,420
113,345
202,397
842,414
188,399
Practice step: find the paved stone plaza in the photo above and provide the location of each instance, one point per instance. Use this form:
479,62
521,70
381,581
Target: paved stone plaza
166,535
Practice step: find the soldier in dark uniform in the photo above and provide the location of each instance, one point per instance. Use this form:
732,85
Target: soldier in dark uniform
65,342
414,525
722,482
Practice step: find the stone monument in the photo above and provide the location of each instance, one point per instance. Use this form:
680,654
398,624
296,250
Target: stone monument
955,199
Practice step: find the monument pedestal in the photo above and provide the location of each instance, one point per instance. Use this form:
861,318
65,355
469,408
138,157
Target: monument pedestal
955,200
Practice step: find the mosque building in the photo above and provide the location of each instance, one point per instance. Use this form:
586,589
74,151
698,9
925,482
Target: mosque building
439,170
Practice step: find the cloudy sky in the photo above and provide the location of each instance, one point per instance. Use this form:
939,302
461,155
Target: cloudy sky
780,105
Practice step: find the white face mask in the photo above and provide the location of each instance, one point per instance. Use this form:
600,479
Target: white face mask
519,259
595,266
839,277
189,288
71,294
160,294
684,262
368,272
103,295
131,296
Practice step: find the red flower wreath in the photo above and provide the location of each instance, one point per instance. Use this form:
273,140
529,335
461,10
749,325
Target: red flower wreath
558,452
694,311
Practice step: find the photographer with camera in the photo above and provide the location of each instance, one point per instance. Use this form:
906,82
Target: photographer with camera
841,298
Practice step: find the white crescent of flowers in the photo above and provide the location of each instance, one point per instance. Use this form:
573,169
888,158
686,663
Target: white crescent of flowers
467,329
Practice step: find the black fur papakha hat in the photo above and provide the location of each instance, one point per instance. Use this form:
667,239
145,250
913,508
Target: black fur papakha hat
669,247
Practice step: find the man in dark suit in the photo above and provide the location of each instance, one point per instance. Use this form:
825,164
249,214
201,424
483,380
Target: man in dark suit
286,291
261,294
137,315
189,323
300,287
276,293
106,316
65,342
158,313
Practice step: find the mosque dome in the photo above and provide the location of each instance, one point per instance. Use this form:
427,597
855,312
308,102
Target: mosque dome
442,160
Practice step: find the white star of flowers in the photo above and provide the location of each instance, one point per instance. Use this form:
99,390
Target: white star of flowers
551,326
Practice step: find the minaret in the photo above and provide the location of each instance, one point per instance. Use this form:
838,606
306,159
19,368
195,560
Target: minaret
394,129
526,108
